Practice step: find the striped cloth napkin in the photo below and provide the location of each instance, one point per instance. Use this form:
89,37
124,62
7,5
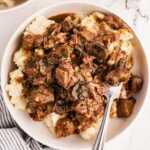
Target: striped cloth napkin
11,136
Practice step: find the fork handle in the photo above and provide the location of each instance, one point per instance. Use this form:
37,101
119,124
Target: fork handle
99,143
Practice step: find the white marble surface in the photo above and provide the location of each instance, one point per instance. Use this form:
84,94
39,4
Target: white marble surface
137,13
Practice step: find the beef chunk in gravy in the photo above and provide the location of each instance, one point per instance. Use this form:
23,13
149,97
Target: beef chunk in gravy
125,107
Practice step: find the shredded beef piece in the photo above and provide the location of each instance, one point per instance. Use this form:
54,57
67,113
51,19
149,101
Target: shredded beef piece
125,107
89,97
39,111
65,75
135,84
64,127
42,95
88,68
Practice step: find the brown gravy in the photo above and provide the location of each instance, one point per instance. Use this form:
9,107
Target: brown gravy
60,17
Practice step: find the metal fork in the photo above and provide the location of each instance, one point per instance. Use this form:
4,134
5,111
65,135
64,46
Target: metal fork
113,93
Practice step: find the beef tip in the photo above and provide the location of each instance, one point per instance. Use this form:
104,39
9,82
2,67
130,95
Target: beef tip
64,127
28,41
41,95
95,48
117,75
39,112
65,75
125,107
135,84
62,106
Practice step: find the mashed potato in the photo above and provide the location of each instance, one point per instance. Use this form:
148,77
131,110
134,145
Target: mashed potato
39,25
15,90
51,121
90,23
91,132
19,58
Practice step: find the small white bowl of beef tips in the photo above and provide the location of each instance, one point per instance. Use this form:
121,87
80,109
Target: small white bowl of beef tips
8,5
58,67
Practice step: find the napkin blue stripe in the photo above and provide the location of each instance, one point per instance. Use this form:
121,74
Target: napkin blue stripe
11,136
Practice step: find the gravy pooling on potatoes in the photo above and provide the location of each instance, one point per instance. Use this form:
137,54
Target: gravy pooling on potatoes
65,66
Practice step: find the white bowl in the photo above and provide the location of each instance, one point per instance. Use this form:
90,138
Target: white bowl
37,130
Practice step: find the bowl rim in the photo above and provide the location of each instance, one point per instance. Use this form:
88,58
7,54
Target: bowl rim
15,8
29,19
